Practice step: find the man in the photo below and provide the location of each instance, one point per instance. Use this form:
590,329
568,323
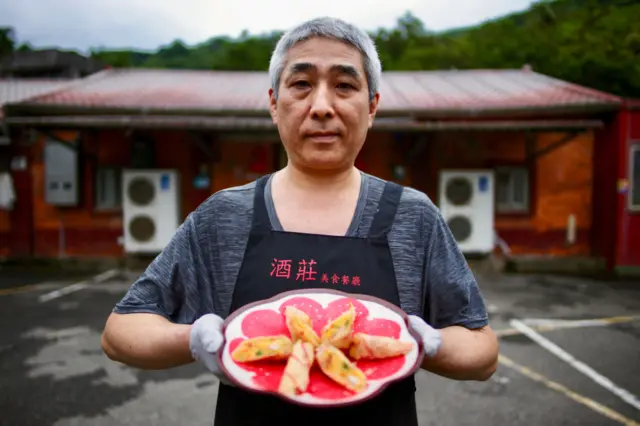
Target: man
325,76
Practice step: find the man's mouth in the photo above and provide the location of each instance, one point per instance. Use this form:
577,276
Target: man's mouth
323,136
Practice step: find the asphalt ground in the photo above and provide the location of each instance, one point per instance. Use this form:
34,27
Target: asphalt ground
13,278
53,372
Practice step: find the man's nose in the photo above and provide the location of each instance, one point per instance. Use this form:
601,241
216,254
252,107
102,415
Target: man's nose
322,103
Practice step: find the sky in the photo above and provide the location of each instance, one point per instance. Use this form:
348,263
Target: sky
148,24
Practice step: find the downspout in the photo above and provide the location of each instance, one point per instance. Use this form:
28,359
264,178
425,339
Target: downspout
505,250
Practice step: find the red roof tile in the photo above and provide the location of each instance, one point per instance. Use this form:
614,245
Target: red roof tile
421,91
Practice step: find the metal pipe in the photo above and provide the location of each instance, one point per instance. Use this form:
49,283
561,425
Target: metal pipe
571,229
501,244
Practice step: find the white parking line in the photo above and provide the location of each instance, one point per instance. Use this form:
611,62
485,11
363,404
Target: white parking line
560,323
580,399
541,325
556,350
104,276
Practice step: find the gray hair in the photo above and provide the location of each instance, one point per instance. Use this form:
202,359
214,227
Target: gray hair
332,28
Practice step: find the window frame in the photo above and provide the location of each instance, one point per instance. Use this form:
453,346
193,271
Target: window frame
509,208
97,205
634,149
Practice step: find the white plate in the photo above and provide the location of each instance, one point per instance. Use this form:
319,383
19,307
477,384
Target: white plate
266,318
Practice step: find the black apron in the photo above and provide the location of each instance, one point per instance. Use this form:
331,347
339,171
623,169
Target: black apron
368,265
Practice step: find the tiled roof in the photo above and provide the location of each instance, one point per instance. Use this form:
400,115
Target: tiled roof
14,90
485,90
469,91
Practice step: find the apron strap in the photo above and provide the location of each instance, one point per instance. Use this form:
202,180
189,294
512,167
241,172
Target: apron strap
383,220
260,222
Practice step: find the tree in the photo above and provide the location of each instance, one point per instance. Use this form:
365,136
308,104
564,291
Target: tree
7,40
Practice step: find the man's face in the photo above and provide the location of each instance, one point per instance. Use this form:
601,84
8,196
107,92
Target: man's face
323,111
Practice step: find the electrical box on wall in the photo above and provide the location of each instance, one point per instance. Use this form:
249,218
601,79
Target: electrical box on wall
61,174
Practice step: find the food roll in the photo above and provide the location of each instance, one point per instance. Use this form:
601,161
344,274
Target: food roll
300,326
296,373
369,347
263,348
339,331
334,363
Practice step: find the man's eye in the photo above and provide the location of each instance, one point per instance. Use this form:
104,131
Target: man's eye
301,84
345,86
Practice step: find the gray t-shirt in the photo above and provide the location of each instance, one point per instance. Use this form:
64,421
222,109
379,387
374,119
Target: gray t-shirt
196,272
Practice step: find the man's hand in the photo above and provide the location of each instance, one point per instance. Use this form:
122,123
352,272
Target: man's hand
431,338
457,352
205,341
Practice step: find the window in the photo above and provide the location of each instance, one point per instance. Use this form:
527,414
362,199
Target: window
634,178
512,189
108,191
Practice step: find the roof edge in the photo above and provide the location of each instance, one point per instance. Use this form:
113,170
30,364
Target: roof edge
586,90
261,124
15,109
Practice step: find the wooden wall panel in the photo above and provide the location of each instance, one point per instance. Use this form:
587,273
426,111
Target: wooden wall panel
241,162
5,222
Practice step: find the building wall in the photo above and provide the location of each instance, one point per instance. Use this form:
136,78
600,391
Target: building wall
81,230
5,227
561,182
382,152
563,187
240,162
605,196
86,230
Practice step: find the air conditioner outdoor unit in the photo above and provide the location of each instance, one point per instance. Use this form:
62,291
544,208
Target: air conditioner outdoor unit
466,202
151,200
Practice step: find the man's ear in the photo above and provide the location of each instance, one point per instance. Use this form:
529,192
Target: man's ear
272,107
373,108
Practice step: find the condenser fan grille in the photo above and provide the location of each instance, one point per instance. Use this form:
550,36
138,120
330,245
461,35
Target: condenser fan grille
461,228
142,228
459,191
141,191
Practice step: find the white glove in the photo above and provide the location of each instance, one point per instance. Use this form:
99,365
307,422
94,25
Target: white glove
205,341
431,338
